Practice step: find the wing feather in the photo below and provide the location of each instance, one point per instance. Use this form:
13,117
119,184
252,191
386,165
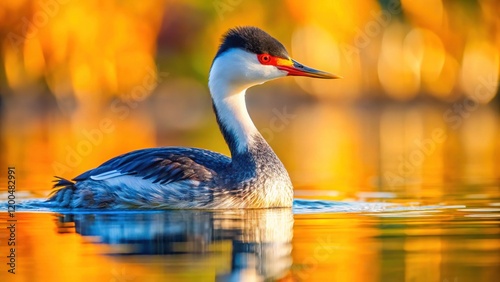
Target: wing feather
161,165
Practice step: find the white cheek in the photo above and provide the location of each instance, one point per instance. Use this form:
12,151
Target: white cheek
273,72
239,70
258,73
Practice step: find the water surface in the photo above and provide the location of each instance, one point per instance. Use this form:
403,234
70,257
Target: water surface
372,204
317,240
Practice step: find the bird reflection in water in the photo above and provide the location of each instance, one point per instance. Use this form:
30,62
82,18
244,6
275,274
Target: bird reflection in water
259,242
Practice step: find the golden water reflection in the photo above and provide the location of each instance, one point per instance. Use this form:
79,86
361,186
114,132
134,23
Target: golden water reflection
416,149
172,246
440,243
417,154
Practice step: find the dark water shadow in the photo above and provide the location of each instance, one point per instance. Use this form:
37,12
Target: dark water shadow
259,241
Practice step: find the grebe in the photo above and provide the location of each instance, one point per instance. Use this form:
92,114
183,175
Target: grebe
191,178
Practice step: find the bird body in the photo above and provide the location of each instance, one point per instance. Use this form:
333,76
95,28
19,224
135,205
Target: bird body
191,178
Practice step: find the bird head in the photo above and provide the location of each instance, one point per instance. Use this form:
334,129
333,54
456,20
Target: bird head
248,56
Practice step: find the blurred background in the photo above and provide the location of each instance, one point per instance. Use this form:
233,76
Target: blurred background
417,111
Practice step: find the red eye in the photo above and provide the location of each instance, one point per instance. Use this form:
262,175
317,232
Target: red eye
264,59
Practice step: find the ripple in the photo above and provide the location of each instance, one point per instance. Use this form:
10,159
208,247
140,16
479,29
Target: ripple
300,206
376,195
481,210
483,215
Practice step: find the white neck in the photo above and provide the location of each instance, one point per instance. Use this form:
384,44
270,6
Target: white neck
234,117
232,73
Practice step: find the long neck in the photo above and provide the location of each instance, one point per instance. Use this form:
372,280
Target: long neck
235,123
231,74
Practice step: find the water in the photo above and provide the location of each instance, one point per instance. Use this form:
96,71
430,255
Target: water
317,240
378,198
